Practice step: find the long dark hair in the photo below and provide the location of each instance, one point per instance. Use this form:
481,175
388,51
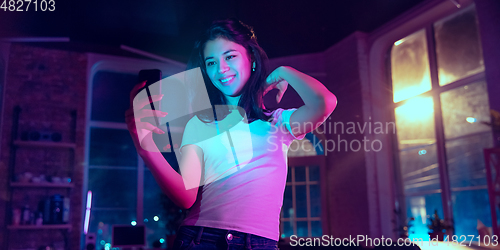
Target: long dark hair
251,100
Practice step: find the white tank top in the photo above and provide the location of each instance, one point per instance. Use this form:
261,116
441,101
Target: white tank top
245,172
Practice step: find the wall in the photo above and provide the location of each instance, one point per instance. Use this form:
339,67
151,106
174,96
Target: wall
45,83
489,21
338,68
347,179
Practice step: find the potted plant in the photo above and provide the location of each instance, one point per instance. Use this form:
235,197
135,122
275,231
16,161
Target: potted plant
402,228
438,227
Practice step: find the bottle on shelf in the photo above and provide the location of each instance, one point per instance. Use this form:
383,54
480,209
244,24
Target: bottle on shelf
25,215
39,218
56,209
16,217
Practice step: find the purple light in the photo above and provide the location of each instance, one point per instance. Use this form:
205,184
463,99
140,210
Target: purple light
87,212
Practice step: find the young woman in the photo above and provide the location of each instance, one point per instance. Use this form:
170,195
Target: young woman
233,157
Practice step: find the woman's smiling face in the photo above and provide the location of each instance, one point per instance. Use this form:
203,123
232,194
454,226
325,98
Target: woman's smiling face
228,65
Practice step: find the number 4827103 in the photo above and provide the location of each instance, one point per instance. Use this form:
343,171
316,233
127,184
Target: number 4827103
28,5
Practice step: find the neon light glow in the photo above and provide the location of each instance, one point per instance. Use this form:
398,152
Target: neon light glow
418,109
470,119
87,212
398,42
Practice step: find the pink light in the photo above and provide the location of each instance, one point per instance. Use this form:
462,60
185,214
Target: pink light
87,216
89,199
87,212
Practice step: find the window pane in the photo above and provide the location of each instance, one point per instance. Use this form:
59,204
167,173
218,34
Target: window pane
458,47
113,188
315,201
316,229
466,160
289,174
302,230
300,173
415,123
417,145
287,229
410,67
419,207
111,95
101,222
301,198
314,173
287,202
419,169
464,109
468,207
111,147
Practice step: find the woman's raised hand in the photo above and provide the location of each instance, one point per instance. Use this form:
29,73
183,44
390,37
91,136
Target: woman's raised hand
141,131
275,80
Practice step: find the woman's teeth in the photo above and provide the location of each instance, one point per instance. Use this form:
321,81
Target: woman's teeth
227,79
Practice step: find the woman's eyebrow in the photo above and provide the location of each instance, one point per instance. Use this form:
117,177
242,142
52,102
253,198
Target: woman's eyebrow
211,57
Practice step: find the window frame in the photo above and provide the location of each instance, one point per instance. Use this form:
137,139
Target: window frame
435,93
383,195
97,63
301,161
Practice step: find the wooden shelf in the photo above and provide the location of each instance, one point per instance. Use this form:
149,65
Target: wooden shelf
49,155
41,227
43,185
43,144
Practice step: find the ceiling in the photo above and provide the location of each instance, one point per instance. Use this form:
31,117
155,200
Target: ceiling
169,28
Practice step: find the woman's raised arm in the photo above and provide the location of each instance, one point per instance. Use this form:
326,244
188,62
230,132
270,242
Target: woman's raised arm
319,102
181,189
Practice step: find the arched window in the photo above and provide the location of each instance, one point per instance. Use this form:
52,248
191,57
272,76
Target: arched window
124,190
440,102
